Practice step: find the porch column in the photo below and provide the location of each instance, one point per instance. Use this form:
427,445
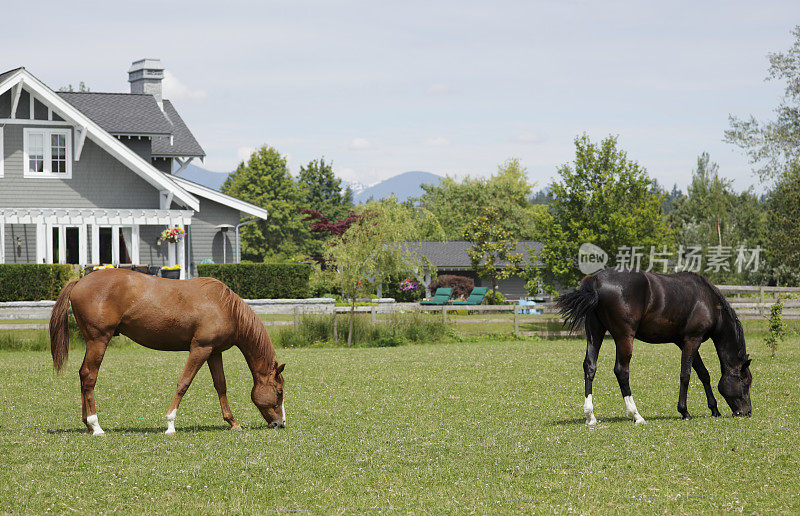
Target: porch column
96,243
2,241
41,243
82,244
135,244
182,257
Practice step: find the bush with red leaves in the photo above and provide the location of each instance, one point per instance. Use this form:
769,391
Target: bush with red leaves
461,285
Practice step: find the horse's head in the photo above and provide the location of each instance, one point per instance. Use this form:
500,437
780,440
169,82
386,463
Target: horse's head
735,388
267,394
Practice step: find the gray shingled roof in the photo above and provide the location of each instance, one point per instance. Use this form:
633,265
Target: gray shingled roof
121,113
4,75
453,255
183,142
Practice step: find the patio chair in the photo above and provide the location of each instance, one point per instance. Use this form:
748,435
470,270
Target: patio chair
475,297
441,297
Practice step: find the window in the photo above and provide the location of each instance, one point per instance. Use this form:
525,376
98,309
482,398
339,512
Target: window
48,153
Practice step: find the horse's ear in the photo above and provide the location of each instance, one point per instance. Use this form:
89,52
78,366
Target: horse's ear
279,369
746,363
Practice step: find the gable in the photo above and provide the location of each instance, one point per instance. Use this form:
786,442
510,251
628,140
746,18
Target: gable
20,82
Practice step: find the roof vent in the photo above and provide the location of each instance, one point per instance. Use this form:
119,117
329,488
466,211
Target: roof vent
145,76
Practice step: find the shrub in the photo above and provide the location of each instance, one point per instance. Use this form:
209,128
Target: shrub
404,290
398,328
776,326
33,281
461,285
262,280
495,297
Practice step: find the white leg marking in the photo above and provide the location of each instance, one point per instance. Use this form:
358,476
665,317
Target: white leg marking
283,414
92,420
630,410
588,410
171,422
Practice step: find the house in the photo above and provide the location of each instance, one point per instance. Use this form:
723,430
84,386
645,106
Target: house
452,258
93,178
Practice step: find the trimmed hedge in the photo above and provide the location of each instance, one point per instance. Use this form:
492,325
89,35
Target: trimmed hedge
262,280
33,281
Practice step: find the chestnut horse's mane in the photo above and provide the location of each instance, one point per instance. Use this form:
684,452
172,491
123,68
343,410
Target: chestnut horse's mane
250,331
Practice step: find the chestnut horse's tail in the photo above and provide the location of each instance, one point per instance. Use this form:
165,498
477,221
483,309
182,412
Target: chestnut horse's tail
59,327
577,305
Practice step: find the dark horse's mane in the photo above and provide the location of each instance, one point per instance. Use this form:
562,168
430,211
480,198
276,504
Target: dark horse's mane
248,327
729,311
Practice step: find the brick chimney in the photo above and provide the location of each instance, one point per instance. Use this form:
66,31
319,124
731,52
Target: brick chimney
145,76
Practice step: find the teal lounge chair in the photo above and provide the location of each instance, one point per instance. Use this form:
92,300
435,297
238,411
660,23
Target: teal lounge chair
475,297
441,297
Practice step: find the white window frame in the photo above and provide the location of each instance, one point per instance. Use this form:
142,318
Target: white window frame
48,146
115,231
62,242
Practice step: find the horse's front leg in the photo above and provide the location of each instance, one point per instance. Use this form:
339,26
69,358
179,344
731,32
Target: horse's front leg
218,375
198,354
702,373
688,353
622,372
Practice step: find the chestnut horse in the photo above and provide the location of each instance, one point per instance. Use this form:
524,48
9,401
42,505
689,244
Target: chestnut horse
683,308
202,316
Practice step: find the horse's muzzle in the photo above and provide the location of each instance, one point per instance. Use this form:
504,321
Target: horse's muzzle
745,413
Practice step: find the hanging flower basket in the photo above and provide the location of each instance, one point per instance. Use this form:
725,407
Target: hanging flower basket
172,235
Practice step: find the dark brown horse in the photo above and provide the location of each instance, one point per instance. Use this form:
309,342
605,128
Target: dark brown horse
201,316
683,308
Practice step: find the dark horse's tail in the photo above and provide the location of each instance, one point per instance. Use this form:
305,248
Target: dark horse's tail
59,327
576,305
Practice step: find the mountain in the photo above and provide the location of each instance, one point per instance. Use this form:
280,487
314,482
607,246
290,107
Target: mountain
204,177
402,186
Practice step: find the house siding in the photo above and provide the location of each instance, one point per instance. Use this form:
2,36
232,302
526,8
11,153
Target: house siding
98,181
205,240
26,253
5,105
141,146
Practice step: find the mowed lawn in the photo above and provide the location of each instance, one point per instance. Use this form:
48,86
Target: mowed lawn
446,428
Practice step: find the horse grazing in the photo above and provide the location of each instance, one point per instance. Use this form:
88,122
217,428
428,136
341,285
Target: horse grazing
683,308
202,316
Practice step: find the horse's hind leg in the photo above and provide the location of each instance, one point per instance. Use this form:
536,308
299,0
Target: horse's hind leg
702,373
218,375
622,371
595,331
95,349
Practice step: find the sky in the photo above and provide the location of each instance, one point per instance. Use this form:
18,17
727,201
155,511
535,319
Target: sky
450,87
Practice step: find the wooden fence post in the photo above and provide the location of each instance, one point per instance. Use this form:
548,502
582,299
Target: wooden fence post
335,324
444,314
374,313
516,319
296,317
761,304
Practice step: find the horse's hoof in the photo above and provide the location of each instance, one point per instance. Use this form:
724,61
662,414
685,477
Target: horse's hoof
716,414
98,432
687,417
591,421
170,431
236,427
640,421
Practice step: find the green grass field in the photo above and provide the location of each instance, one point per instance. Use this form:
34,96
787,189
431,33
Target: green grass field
447,428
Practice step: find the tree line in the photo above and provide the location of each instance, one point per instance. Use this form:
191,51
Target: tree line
601,197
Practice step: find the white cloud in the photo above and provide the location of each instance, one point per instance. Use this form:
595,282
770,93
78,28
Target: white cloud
243,153
439,141
360,144
529,137
348,174
176,90
440,88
